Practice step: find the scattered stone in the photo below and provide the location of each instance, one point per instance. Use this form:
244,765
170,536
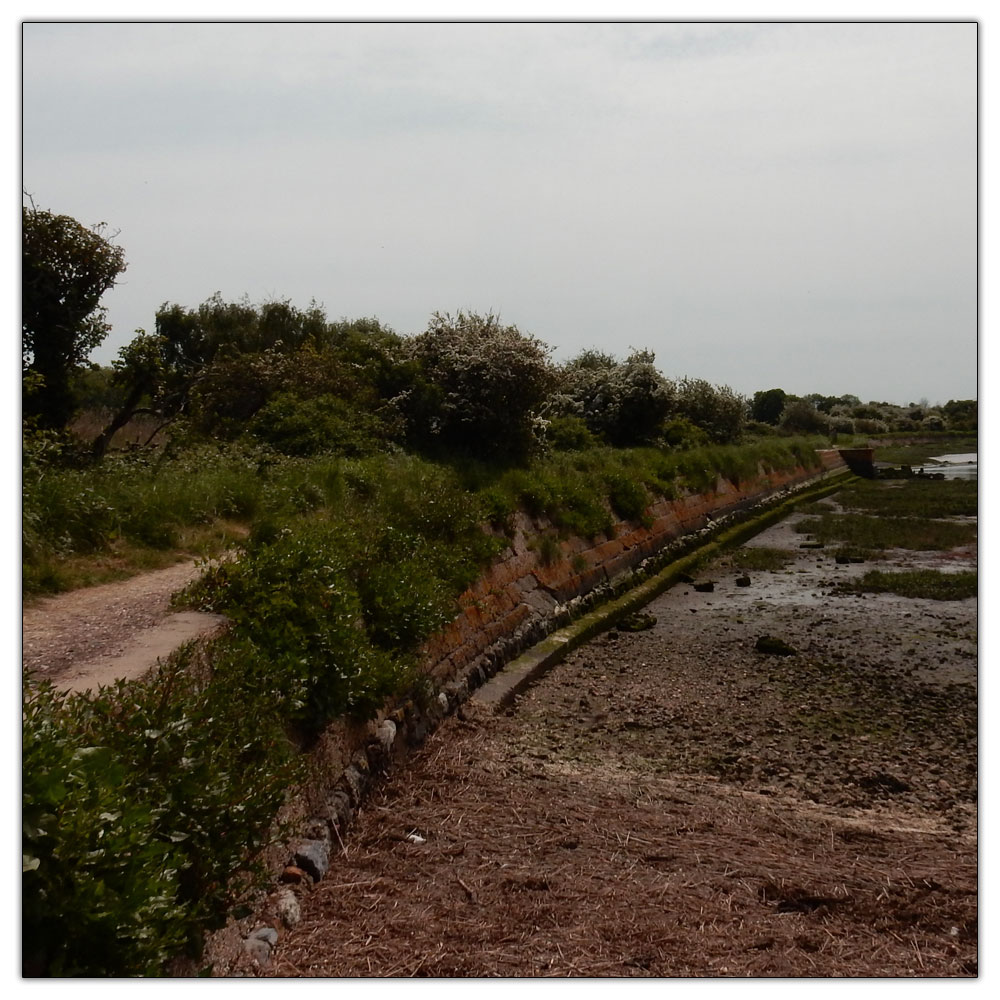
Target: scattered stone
386,735
260,944
638,622
885,782
705,586
743,581
287,908
773,647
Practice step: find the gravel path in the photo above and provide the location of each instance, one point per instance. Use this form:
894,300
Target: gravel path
94,636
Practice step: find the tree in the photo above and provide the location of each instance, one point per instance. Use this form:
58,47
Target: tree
218,365
625,402
801,417
767,406
481,385
65,270
716,409
962,414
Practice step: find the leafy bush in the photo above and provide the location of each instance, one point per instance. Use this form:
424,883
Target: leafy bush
491,382
718,410
625,403
144,808
569,433
629,498
322,424
801,417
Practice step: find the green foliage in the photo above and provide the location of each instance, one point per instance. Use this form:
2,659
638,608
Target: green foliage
865,533
962,414
569,433
624,403
681,433
332,604
717,410
128,497
629,499
485,384
768,406
144,809
296,425
65,270
927,498
298,617
801,417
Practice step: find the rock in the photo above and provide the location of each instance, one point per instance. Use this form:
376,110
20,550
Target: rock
705,586
286,906
884,782
260,944
355,779
637,622
773,647
313,857
743,581
386,735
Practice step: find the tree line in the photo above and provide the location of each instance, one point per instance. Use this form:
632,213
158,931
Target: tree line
303,384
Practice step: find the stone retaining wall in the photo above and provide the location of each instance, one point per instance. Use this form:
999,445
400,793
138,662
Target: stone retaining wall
530,590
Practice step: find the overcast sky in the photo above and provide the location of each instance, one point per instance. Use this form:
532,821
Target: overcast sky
761,204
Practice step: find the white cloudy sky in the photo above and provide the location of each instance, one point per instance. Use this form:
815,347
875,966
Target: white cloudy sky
761,204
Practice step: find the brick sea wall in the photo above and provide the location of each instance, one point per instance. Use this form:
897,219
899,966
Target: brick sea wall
522,588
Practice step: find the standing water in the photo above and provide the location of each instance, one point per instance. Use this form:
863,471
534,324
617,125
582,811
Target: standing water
963,466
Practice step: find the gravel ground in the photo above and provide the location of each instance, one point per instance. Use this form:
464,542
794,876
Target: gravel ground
672,802
95,635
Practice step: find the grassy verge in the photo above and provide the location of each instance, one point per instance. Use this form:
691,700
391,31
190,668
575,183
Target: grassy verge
914,454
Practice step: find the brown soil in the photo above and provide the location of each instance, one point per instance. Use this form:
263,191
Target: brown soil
672,802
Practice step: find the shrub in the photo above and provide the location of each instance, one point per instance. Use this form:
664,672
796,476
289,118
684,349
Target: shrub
569,433
491,381
625,403
717,410
145,807
801,417
295,425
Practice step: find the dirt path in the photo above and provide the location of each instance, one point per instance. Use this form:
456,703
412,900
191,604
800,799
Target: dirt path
92,637
672,802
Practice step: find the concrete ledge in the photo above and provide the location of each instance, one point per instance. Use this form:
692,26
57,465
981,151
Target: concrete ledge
500,692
